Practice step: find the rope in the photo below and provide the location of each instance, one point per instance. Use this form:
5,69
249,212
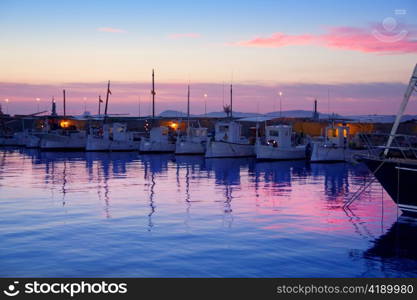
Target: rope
362,189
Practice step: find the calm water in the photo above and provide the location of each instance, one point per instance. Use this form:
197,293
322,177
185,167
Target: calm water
125,214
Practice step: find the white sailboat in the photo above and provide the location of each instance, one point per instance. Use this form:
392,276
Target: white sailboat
334,147
112,137
194,142
278,145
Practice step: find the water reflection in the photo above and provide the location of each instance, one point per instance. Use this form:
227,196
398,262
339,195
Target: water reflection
397,248
265,208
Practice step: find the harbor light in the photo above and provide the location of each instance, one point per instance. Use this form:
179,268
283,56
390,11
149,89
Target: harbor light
174,125
7,105
64,124
205,104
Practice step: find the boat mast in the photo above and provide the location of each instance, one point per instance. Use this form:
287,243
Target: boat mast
188,111
65,111
153,94
107,99
411,86
231,101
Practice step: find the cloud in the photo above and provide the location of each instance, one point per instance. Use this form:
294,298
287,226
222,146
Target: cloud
372,39
112,30
184,35
278,40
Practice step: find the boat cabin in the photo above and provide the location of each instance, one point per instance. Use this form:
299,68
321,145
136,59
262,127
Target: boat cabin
198,131
159,134
279,135
337,135
228,132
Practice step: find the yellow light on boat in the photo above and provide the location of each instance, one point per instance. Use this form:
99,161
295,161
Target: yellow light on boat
64,124
174,126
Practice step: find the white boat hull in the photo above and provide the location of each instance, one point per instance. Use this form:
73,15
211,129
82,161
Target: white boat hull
225,149
63,142
321,153
32,141
102,144
12,141
334,154
21,138
147,146
266,152
190,147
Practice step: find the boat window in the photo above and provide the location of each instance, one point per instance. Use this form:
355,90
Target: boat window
331,133
273,133
223,128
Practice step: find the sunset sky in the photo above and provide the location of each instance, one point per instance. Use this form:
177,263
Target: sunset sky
362,52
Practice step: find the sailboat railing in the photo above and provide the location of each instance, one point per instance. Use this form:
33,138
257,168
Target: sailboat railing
405,145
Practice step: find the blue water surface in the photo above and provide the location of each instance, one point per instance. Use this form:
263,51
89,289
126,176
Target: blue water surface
130,215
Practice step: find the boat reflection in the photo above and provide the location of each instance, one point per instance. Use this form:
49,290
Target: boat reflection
397,248
228,171
397,242
156,163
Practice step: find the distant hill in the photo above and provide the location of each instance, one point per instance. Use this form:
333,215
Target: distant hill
294,114
172,113
220,114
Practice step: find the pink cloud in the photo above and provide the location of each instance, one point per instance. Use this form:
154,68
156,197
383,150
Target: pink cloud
373,39
184,35
278,40
110,29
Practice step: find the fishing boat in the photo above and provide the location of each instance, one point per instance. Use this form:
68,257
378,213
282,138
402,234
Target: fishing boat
112,137
228,142
33,140
396,167
160,140
9,140
278,144
195,140
228,139
333,147
64,139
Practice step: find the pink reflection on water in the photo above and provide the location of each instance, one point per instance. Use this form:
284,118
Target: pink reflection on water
288,196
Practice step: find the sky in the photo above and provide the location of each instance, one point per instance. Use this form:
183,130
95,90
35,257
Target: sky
355,57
